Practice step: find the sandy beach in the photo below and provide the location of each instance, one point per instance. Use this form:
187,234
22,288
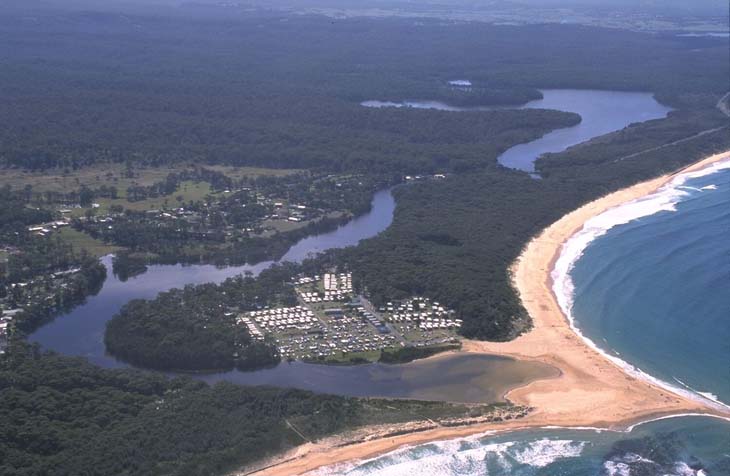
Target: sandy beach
591,390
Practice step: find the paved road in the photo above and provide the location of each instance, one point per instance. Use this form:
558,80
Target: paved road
371,308
670,144
723,105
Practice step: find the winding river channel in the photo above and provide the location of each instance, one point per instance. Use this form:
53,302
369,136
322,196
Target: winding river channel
601,112
474,378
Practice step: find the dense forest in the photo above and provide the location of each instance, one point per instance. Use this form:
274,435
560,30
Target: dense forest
265,89
195,328
283,92
64,416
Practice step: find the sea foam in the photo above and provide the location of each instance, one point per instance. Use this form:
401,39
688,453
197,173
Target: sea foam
665,199
622,467
462,457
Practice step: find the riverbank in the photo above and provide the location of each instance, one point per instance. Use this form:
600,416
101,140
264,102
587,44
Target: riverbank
591,391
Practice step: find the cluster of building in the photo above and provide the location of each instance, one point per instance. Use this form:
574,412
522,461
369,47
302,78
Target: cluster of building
41,290
252,329
332,323
46,228
280,319
338,282
295,213
411,178
336,287
344,335
6,317
419,310
217,217
372,319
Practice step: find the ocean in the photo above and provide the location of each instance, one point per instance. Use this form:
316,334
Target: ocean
648,284
652,284
688,446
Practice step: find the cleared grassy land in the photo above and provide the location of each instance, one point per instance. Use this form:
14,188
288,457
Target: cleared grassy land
93,177
82,241
347,358
58,180
240,172
186,192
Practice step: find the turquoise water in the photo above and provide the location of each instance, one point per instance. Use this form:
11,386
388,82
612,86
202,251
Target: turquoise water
648,283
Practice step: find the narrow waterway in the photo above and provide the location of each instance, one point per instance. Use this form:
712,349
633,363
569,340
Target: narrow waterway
601,112
81,332
471,378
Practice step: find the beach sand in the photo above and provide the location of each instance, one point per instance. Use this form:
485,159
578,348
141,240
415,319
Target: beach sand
591,391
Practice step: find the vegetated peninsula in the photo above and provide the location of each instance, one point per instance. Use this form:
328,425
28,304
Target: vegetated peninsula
195,328
251,323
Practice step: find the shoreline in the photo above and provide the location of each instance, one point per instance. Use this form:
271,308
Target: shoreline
592,391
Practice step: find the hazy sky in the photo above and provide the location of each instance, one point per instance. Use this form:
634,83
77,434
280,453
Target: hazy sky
720,6
714,7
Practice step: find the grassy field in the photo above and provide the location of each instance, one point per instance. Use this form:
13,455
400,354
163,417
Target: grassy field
114,175
282,226
186,192
82,241
240,172
342,358
92,177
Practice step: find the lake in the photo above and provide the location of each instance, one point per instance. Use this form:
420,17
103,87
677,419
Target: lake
601,112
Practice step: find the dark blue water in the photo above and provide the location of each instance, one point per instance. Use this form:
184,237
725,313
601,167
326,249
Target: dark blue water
656,291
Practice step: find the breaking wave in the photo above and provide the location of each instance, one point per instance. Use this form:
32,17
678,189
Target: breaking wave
665,199
625,466
465,457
